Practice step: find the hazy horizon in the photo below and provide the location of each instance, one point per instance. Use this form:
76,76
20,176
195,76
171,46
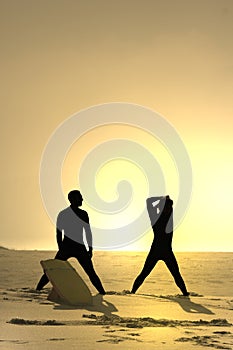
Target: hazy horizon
115,251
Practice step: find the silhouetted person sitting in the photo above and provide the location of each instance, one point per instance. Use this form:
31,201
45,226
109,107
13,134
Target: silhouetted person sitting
161,216
71,222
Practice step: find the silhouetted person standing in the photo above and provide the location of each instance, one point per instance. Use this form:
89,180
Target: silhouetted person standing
71,222
161,216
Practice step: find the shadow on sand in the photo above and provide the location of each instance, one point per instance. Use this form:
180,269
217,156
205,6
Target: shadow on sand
188,305
99,304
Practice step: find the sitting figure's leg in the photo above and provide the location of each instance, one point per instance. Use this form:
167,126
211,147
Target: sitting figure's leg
42,282
86,263
173,267
150,263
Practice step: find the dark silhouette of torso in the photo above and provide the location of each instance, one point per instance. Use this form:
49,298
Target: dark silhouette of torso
161,216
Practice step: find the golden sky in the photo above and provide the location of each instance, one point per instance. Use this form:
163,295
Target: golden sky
172,56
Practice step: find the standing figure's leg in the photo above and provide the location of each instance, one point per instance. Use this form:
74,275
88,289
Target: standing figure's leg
173,267
61,255
150,263
86,263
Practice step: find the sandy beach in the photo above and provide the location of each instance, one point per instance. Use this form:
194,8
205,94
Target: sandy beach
157,317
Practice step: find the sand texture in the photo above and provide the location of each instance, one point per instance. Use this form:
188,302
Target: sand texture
151,319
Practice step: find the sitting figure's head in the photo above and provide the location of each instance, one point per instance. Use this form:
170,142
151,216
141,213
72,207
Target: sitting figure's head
75,198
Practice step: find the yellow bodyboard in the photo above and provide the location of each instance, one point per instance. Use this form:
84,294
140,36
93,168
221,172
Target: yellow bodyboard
68,286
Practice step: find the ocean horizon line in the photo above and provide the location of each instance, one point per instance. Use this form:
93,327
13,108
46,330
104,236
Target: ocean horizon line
114,250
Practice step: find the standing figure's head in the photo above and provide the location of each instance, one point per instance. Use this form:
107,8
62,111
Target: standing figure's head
75,198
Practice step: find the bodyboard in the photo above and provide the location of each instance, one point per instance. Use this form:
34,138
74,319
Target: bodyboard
68,286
